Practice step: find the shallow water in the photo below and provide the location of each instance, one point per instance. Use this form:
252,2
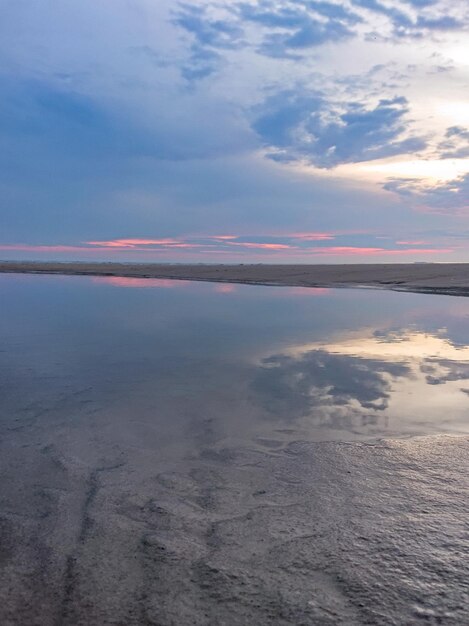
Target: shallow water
277,363
196,453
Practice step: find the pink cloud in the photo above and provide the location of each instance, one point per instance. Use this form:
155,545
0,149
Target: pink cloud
412,243
144,244
301,292
307,236
183,245
346,250
132,243
261,246
219,237
29,247
163,248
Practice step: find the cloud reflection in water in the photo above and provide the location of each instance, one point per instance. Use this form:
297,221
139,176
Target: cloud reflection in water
376,379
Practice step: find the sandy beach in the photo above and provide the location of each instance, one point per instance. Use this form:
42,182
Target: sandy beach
444,278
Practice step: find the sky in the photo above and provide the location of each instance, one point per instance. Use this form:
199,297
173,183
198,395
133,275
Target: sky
273,131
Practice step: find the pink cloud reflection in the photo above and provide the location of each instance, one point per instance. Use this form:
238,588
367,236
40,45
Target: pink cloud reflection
140,283
308,291
225,288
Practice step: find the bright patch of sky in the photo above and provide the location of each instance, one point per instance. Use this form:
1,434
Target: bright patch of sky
171,125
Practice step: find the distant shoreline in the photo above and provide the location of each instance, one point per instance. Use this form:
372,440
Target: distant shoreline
436,278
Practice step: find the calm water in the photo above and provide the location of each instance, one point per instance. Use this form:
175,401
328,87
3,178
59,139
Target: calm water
194,454
159,359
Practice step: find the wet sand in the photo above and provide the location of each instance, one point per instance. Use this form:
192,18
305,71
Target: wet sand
307,533
443,278
101,522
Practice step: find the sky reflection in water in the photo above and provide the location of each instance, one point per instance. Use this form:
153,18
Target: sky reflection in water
251,363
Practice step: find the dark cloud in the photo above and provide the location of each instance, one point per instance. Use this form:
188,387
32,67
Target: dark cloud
303,126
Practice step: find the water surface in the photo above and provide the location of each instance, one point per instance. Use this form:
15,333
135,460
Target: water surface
195,453
265,362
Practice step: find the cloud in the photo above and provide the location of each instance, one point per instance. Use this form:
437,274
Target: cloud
442,22
142,244
202,63
291,246
59,120
298,26
271,15
414,242
418,4
313,33
440,371
31,111
294,15
139,121
207,31
311,236
415,24
260,246
337,251
304,126
86,164
209,35
288,29
455,144
404,187
447,198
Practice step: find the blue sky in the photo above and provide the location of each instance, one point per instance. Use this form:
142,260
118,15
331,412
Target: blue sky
265,131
